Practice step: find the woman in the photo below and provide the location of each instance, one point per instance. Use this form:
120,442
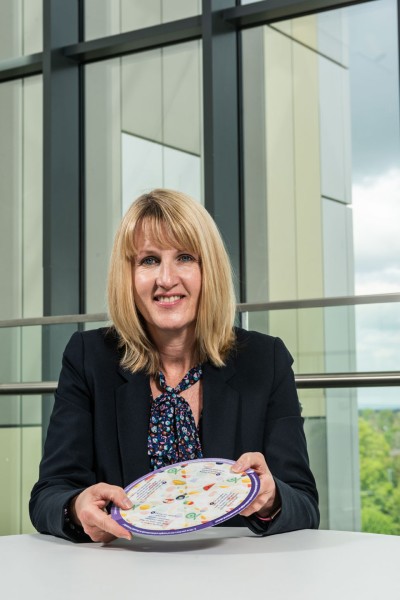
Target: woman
172,380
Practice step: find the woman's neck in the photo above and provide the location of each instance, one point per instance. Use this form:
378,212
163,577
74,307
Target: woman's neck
178,354
175,363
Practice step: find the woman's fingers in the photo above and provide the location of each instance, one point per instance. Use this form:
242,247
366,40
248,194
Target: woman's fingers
89,510
251,460
266,496
109,493
104,529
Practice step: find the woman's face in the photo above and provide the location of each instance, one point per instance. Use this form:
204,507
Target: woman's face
166,286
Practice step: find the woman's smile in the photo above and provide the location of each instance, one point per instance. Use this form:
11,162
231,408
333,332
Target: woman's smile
167,299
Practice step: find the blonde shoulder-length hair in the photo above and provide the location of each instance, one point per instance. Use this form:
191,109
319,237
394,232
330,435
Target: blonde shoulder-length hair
172,219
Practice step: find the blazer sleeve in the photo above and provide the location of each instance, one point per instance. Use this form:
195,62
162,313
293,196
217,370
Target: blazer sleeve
67,464
285,451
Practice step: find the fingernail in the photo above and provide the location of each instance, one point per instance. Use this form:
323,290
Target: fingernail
127,503
238,467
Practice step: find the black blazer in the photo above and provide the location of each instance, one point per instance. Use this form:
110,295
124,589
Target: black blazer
99,426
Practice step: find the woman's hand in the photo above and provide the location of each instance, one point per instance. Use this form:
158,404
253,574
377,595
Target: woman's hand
88,509
267,499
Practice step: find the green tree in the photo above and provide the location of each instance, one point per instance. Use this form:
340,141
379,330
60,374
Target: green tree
375,521
380,493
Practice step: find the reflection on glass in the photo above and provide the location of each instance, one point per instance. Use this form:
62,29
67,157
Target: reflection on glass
322,146
375,348
143,130
21,279
145,162
20,27
103,17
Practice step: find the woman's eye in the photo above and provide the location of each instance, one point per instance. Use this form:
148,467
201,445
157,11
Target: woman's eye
186,258
148,261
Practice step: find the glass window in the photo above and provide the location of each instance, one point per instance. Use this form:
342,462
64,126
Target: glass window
323,166
21,281
20,27
103,17
367,436
379,435
322,149
321,156
143,130
22,420
21,293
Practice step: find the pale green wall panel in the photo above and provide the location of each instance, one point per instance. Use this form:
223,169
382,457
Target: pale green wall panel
102,18
142,95
11,175
280,168
20,27
181,96
31,455
10,477
307,173
10,29
136,14
20,453
108,17
161,95
33,25
179,9
284,27
304,30
32,197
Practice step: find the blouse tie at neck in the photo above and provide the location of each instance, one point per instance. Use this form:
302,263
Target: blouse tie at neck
173,435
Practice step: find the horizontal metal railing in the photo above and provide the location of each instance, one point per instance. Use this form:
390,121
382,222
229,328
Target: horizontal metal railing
22,389
56,320
303,381
319,302
348,380
241,308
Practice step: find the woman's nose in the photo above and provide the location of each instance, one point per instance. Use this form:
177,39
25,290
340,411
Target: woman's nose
167,274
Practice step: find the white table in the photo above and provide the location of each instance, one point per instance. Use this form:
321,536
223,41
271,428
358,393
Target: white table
226,563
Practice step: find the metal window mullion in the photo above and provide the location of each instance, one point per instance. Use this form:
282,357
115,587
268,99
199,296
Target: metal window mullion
61,183
221,135
140,40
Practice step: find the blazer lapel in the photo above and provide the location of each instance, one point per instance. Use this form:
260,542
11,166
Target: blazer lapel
133,416
220,412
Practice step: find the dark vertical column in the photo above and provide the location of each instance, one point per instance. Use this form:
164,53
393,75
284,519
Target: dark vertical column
61,182
61,160
221,128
